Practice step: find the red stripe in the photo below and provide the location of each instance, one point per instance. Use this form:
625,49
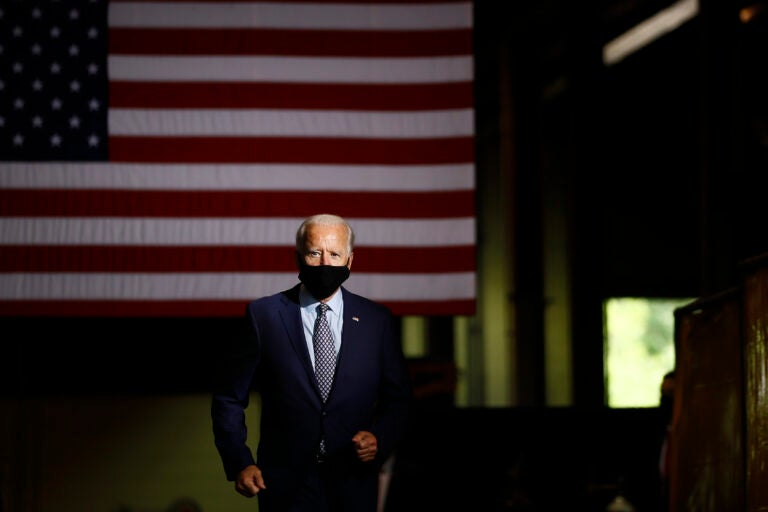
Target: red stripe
361,2
74,258
119,308
235,308
206,203
232,95
291,150
307,43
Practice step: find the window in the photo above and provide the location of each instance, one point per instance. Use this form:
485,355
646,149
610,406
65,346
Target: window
639,348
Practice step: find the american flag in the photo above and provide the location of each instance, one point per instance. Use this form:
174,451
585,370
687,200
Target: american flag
157,157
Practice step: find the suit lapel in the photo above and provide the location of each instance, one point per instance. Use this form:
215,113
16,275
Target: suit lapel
290,315
350,329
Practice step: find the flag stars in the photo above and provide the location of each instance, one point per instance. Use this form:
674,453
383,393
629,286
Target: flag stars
51,85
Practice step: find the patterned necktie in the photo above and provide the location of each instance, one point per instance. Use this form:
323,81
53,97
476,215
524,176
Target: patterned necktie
325,352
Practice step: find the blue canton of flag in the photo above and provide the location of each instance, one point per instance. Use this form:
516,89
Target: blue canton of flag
53,80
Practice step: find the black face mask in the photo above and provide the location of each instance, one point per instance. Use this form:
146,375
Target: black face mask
322,280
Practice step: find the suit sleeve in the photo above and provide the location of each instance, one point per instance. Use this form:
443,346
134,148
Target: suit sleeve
233,382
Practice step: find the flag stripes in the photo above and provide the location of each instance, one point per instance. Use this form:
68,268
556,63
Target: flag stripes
292,150
190,308
147,176
364,70
272,95
236,204
290,123
413,233
291,42
228,123
252,95
220,285
407,16
179,258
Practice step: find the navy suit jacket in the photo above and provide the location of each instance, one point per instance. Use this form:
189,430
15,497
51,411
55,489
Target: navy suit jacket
371,391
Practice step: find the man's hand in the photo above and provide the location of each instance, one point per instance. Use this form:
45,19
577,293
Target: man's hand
249,482
366,445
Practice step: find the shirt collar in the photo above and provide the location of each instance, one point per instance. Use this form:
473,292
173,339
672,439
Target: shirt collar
306,300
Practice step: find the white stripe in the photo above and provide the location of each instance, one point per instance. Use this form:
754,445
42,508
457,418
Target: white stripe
291,69
223,286
241,232
413,16
87,175
291,123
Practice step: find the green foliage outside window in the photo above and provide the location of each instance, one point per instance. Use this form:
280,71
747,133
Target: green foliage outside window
639,349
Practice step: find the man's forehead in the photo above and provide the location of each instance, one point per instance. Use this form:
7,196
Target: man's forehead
323,234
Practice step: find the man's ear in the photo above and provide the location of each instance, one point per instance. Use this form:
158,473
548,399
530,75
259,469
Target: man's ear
349,260
299,258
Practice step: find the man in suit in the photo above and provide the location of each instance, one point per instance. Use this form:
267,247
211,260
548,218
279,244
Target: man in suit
320,449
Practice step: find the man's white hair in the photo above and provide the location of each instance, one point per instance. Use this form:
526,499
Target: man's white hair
324,219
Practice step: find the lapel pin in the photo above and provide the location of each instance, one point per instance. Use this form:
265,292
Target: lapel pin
355,319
